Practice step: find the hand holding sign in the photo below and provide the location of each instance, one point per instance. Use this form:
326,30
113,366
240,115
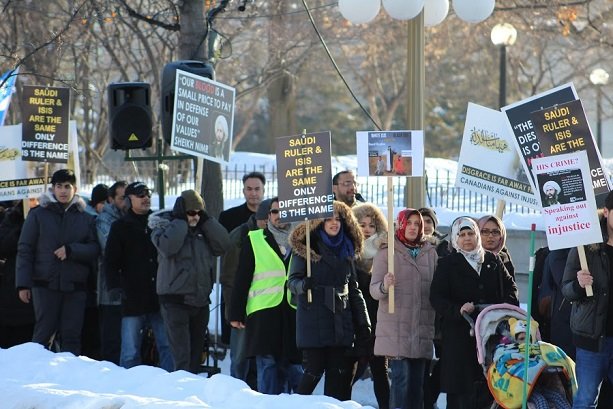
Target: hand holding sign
583,276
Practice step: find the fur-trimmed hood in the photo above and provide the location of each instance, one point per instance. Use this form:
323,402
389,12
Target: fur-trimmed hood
372,211
159,219
48,200
297,238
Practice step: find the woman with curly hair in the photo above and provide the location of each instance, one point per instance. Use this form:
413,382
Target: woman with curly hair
327,325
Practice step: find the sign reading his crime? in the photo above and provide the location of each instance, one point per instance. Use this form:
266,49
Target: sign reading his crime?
304,175
45,125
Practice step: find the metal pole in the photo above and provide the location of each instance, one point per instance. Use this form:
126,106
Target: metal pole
415,192
160,146
599,118
502,93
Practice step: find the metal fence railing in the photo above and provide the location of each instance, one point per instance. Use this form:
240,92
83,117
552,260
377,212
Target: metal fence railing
440,190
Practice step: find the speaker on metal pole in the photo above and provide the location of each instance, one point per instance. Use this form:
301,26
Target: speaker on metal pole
202,69
130,116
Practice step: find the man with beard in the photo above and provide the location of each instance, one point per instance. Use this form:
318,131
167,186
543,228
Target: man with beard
552,190
344,188
261,306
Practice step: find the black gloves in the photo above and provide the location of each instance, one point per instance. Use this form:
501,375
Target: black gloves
178,211
363,346
308,284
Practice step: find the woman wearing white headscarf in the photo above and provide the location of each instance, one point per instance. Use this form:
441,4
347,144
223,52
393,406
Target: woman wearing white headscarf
468,276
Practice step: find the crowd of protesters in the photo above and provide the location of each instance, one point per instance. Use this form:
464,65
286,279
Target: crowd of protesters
104,278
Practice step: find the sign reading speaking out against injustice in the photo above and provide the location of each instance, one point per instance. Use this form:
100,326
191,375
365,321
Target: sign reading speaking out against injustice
567,200
564,129
46,114
203,119
518,114
304,175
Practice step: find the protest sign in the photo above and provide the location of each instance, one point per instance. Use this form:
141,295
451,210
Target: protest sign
390,153
46,113
488,162
203,121
304,175
564,129
520,122
20,179
567,200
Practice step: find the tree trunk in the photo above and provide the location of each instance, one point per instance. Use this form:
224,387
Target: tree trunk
193,27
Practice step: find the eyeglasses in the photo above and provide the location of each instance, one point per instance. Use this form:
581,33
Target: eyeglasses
143,195
192,213
274,211
349,183
487,232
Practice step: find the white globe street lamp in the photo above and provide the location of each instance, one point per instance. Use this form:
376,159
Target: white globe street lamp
473,11
403,9
503,35
435,12
599,77
360,11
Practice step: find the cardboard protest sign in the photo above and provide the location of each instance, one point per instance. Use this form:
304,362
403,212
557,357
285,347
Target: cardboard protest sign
567,200
203,121
304,175
390,153
520,122
564,129
488,162
46,113
20,179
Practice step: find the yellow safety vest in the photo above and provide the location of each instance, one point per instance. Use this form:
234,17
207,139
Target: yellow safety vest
269,275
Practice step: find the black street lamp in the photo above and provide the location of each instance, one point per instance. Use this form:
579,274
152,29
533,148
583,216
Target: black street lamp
599,77
503,35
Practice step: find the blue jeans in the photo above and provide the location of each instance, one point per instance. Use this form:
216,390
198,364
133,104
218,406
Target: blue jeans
276,375
132,329
239,364
407,389
591,369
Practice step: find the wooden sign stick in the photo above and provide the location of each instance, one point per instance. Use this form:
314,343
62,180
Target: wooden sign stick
583,261
390,240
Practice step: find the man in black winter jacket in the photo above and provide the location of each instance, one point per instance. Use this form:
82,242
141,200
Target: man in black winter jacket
591,319
131,265
56,249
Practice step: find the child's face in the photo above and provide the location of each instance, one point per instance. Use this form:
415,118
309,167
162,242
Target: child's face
521,337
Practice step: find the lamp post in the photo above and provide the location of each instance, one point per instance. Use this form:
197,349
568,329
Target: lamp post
599,77
419,13
503,35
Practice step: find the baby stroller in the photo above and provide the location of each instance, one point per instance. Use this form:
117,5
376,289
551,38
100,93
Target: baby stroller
551,373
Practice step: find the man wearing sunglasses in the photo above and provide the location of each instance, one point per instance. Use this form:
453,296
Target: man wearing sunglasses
187,240
131,265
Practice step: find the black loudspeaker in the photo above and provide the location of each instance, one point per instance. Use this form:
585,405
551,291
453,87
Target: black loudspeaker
202,69
130,116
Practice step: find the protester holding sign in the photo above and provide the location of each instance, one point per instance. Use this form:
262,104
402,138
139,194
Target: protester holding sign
494,237
592,328
466,277
327,326
405,336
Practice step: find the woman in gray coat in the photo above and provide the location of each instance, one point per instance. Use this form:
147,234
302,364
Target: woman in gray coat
405,337
187,241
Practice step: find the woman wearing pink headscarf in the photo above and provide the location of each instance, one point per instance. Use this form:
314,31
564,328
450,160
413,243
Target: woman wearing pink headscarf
466,277
494,237
405,337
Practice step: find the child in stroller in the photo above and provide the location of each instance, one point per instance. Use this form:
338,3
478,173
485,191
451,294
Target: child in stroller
551,373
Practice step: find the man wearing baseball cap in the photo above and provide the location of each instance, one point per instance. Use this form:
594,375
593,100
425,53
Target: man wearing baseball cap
131,265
